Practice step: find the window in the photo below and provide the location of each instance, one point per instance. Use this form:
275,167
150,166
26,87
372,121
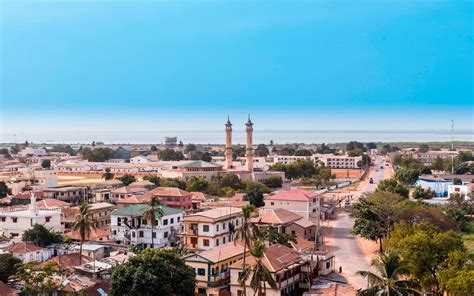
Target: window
217,227
223,225
202,291
3,219
165,235
237,222
165,221
48,219
153,234
217,242
171,220
293,232
328,264
201,271
140,234
114,232
179,219
272,203
14,219
205,228
205,242
223,240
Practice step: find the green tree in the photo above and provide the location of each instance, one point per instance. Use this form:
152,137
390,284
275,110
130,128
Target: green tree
41,236
98,154
14,150
371,145
262,150
38,280
153,148
407,176
245,234
423,148
392,185
152,213
376,214
437,164
107,175
303,152
426,248
199,155
352,145
46,164
190,148
255,197
173,182
7,266
273,182
420,193
4,190
83,224
390,277
199,184
153,179
232,181
260,275
272,236
458,278
153,272
127,179
170,154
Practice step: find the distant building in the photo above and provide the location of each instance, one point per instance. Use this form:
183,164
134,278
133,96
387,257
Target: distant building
299,201
465,189
339,161
438,185
172,197
72,195
171,141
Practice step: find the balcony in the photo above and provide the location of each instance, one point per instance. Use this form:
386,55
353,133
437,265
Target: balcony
218,280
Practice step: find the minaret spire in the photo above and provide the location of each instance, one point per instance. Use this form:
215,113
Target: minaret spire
228,144
249,146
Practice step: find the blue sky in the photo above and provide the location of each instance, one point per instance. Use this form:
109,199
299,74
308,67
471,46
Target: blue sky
173,65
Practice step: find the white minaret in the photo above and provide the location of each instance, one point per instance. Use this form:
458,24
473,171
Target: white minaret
249,146
228,144
33,207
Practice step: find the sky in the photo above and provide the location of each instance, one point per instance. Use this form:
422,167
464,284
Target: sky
187,65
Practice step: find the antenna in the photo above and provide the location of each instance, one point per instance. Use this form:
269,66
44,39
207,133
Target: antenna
452,147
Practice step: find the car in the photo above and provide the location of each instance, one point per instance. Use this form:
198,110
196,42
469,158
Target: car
371,181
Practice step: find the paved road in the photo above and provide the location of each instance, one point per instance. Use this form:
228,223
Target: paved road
347,251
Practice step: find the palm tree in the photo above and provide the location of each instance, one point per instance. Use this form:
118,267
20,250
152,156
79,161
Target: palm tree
83,224
151,213
244,233
389,280
260,274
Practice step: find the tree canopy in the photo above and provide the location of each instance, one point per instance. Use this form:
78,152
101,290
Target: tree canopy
127,179
7,266
392,185
153,272
41,236
170,154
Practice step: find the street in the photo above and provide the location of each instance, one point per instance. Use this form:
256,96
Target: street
345,246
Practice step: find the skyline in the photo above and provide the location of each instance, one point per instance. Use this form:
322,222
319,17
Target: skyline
162,66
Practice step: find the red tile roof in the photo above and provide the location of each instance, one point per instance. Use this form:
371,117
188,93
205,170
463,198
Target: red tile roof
7,291
293,195
276,216
67,261
22,248
168,191
276,258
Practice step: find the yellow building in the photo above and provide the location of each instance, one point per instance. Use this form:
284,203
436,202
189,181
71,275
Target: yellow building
212,268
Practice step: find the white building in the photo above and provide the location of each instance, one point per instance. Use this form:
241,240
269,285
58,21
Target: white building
33,151
299,201
286,159
27,252
15,222
438,185
339,161
465,189
129,227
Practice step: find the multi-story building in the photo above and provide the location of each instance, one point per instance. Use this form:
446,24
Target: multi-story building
284,265
27,252
129,227
339,161
99,211
299,201
212,267
172,197
209,229
127,191
72,195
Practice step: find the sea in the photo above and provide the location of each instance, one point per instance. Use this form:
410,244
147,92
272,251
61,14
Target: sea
260,136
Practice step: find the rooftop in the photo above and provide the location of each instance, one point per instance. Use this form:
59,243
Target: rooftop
215,213
200,164
276,258
137,210
293,195
221,253
168,191
23,248
276,216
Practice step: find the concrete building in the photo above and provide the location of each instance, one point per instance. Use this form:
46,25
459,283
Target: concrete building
99,211
439,186
465,189
72,195
212,267
129,227
15,222
339,161
299,201
27,252
209,229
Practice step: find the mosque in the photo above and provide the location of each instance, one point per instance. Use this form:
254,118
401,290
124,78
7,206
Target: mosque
205,169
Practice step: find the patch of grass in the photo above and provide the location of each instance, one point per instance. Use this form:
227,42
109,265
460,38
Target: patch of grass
468,237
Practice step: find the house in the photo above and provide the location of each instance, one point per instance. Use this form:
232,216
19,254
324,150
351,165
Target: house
27,252
191,169
95,235
132,200
465,189
208,229
67,262
440,186
172,197
299,201
127,191
284,265
339,161
129,227
286,221
15,221
93,251
83,285
212,267
99,211
72,195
